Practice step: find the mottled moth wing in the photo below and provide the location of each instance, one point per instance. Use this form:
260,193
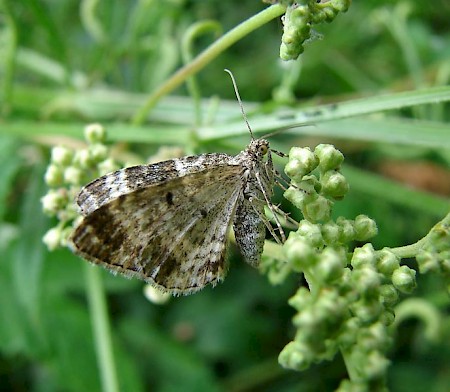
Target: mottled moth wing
250,221
124,181
165,223
250,231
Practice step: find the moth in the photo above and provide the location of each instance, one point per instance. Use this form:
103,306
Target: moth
168,223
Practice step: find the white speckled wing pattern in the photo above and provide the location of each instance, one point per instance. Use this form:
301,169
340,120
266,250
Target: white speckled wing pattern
167,223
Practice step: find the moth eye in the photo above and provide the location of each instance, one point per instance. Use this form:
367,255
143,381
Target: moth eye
263,149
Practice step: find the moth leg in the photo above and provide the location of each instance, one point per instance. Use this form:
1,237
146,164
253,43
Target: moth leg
270,205
281,182
254,201
286,216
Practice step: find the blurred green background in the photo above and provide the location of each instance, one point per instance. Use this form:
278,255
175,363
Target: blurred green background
67,63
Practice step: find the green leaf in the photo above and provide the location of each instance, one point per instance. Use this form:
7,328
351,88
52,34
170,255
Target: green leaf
29,251
10,163
309,121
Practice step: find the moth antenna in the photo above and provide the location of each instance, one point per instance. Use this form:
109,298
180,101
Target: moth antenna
240,101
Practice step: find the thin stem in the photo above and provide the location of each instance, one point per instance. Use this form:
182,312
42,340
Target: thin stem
351,370
101,329
90,21
9,59
413,249
187,54
207,56
424,311
409,250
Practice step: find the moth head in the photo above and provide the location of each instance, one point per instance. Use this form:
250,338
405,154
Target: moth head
259,147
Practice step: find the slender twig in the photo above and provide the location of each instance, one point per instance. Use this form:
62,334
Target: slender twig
101,329
207,56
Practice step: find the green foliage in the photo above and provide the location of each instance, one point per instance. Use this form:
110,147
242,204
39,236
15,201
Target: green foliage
375,85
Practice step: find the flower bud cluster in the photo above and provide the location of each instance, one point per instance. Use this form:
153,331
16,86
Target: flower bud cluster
67,172
348,306
300,16
351,293
314,194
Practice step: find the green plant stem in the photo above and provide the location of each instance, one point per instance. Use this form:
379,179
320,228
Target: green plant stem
9,59
90,21
352,372
409,250
191,34
413,249
101,329
424,311
207,56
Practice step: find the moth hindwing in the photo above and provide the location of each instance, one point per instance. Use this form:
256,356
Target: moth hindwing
167,223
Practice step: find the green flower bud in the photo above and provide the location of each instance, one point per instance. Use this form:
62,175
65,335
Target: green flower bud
311,184
341,5
61,156
52,238
54,175
346,230
365,228
334,184
387,317
276,271
66,233
107,166
305,156
388,295
301,299
83,159
349,332
54,201
375,337
366,280
329,157
290,52
363,256
404,279
330,266
318,210
331,309
98,152
375,365
367,311
387,262
295,170
346,285
94,133
73,175
307,320
295,196
427,261
330,233
295,355
310,232
299,252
